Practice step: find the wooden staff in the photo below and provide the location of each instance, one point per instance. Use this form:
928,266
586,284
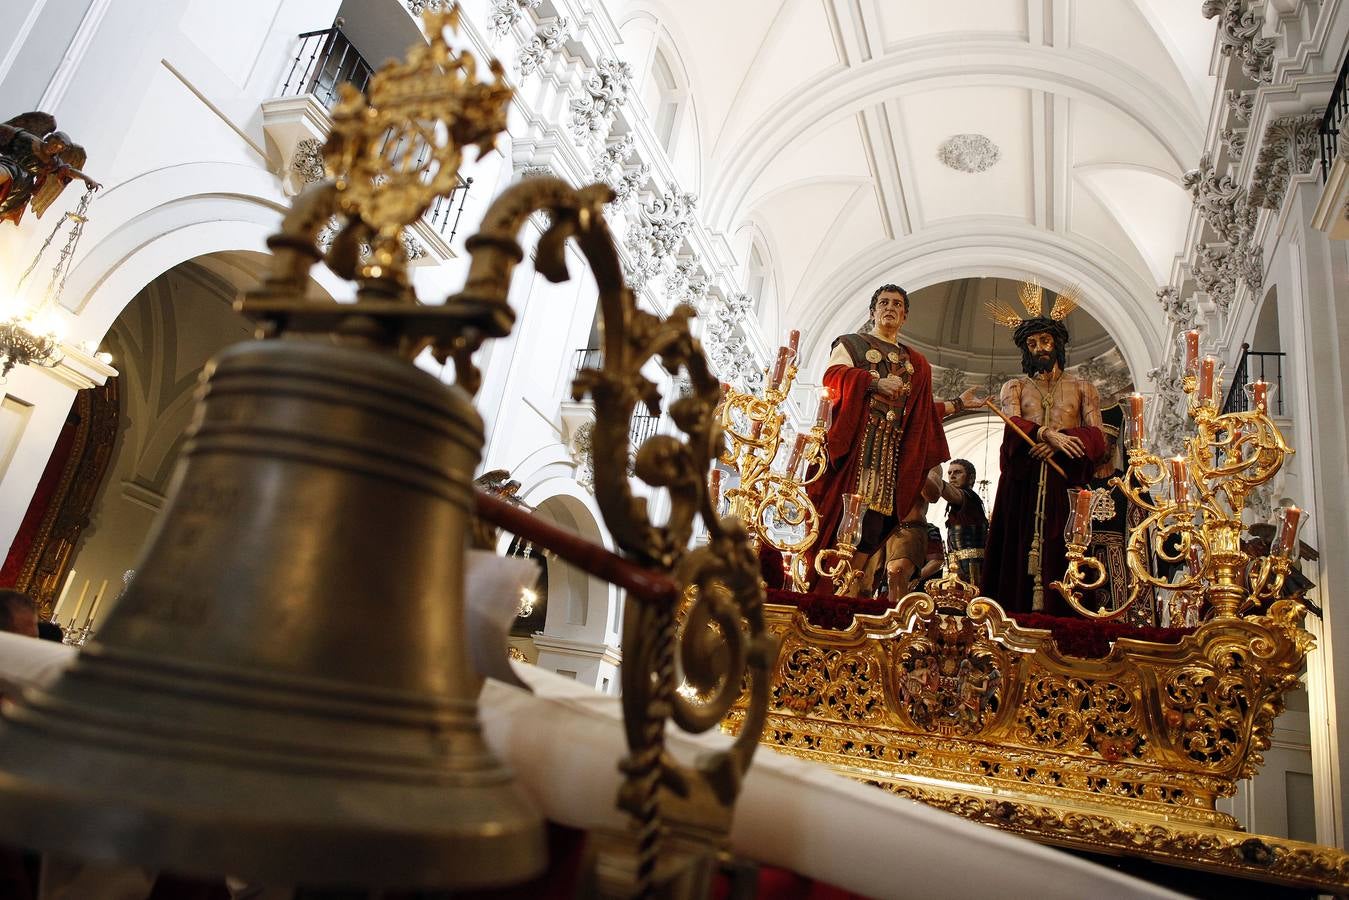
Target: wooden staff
988,401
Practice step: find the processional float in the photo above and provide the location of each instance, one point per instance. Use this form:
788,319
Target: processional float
283,691
1120,748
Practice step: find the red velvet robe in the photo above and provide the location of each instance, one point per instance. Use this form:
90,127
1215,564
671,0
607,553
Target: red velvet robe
1012,526
922,446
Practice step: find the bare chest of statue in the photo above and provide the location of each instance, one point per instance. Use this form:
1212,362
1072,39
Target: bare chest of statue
1056,403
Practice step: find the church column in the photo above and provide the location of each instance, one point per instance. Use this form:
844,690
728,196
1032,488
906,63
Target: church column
1312,275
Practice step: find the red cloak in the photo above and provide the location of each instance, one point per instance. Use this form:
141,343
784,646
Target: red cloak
1012,526
922,446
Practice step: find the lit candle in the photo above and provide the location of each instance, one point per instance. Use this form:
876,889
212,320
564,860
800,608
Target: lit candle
798,450
93,607
1134,424
1191,350
850,526
1206,373
824,409
793,342
1179,471
1259,391
1286,539
714,490
788,563
1079,520
755,428
65,591
79,604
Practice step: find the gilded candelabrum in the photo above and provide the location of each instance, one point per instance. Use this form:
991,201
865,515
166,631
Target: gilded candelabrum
1195,520
769,495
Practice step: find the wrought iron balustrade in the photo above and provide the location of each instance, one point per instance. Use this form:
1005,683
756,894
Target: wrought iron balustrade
323,61
1336,110
439,215
1255,366
643,426
587,358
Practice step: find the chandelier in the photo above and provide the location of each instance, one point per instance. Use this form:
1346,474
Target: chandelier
32,335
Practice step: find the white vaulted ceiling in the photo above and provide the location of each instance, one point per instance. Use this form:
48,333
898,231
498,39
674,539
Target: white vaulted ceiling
819,123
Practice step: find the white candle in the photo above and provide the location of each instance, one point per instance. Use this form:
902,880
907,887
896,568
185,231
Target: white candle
93,607
65,591
79,604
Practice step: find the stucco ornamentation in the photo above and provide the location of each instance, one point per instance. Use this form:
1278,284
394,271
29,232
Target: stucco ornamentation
968,153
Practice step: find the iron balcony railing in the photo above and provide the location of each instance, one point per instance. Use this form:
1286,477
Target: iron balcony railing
587,358
643,426
439,215
1255,366
324,60
1336,110
327,58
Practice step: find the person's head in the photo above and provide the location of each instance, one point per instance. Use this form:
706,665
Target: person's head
17,614
889,307
56,143
960,472
1043,343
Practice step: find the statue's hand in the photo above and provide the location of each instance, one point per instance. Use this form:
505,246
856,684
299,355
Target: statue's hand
1065,444
972,398
890,386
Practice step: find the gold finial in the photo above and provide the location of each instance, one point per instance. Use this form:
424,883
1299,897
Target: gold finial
396,148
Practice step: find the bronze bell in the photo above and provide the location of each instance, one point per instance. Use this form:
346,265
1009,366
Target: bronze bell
283,693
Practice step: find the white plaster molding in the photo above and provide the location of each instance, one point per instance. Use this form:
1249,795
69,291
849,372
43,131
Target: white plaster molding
604,652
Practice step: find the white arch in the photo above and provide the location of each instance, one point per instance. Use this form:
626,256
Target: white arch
1007,252
566,504
938,64
147,225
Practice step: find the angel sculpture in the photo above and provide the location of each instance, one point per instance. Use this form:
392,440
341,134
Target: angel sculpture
36,164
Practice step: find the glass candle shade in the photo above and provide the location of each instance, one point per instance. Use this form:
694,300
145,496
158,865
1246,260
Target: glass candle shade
779,368
1078,529
1259,393
850,526
798,450
1285,538
1179,471
1193,562
1133,422
793,343
1210,379
1189,351
825,409
788,563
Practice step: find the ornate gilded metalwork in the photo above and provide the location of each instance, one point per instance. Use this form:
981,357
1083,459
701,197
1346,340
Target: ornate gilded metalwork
835,563
724,644
947,700
1225,459
767,497
393,148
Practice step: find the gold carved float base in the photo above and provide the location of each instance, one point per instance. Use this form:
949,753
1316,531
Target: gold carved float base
949,702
